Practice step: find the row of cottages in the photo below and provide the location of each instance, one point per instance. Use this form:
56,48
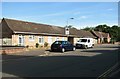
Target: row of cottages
101,37
22,33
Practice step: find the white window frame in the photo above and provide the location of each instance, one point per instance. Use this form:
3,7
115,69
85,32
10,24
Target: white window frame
63,39
32,37
57,38
42,40
22,40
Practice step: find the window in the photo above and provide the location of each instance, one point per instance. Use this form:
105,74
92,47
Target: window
31,38
88,41
41,40
83,40
21,40
58,42
57,38
68,42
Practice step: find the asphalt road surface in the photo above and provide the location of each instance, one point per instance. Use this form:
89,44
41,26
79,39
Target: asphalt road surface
80,63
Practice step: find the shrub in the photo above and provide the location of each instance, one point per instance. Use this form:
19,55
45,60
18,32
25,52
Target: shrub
4,53
45,44
27,46
37,45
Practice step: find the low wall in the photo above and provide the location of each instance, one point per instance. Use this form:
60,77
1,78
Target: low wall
11,49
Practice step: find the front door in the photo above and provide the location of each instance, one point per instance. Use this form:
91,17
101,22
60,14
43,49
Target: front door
21,40
71,40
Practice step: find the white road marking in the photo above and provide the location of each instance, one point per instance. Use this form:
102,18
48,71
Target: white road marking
108,71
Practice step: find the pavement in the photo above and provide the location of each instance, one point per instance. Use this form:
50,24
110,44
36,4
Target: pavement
32,52
26,54
43,52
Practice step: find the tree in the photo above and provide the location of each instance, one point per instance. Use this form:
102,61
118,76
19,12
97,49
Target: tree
88,28
102,28
114,31
70,26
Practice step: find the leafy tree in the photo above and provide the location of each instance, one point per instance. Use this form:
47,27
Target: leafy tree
88,28
102,28
70,26
114,31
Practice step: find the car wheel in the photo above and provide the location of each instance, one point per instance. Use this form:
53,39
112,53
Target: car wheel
74,48
86,47
51,50
92,45
63,50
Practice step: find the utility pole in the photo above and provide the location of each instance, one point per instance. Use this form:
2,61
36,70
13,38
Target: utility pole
68,20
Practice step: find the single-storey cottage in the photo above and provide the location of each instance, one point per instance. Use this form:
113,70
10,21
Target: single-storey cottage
22,33
101,36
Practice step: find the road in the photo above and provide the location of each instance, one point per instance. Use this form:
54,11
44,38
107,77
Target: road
80,63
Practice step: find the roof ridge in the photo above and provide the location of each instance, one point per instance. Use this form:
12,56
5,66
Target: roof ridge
32,22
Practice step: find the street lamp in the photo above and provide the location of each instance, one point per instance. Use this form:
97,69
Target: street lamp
67,21
67,27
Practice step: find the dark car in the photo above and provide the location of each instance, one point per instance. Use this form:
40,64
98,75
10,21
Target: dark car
62,46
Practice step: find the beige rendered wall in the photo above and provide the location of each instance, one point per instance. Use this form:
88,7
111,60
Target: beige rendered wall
75,40
95,41
108,40
15,39
54,38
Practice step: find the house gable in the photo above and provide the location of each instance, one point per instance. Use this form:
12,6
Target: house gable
6,30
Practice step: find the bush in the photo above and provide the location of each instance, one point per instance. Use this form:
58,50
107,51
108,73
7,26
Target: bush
37,45
113,41
4,53
45,44
27,46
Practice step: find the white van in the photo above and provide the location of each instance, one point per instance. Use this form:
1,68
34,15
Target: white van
85,43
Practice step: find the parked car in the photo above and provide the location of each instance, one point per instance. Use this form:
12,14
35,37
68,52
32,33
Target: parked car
85,43
62,46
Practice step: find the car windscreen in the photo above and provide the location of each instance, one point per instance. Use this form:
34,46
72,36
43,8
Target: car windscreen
58,42
83,40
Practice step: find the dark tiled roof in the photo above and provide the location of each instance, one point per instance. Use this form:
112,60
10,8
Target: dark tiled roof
29,27
22,26
81,33
100,34
0,30
105,35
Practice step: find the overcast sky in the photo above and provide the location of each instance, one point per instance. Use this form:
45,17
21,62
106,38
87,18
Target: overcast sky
58,13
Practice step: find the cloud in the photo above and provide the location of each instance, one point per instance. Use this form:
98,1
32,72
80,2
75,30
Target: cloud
83,17
54,14
110,9
77,13
46,15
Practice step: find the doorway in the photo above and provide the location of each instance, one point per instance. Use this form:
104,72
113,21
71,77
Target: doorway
71,40
21,40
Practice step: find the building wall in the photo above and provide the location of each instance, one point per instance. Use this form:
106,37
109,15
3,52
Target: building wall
14,40
0,41
7,41
108,40
95,41
32,43
99,41
75,40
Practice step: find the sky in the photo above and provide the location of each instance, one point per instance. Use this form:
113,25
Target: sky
85,14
